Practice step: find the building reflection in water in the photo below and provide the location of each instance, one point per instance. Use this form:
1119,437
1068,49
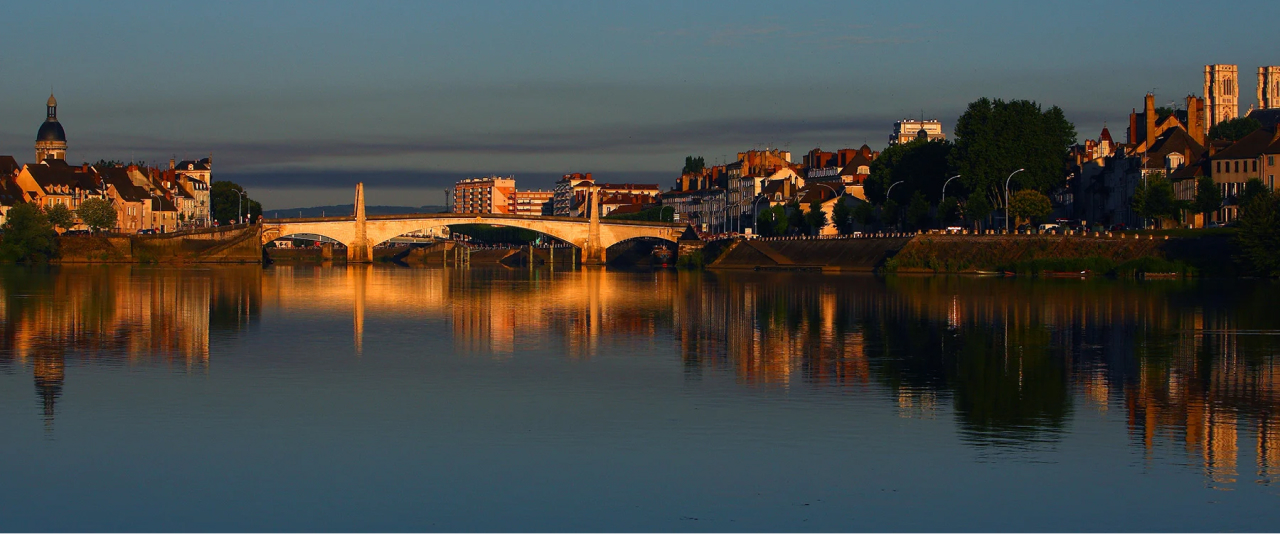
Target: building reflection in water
1189,367
117,314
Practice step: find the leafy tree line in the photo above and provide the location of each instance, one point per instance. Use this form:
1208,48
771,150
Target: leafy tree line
226,199
993,138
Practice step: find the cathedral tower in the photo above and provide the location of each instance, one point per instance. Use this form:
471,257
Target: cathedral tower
1268,87
1222,91
51,141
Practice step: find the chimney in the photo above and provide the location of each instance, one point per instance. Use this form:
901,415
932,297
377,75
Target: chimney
1193,119
172,164
1133,127
1150,109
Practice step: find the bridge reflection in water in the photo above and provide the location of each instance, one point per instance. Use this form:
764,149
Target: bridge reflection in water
1190,367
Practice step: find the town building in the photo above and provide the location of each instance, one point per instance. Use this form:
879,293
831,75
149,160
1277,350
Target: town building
53,182
491,194
1269,87
567,189
131,201
908,130
532,202
1222,93
51,140
1253,157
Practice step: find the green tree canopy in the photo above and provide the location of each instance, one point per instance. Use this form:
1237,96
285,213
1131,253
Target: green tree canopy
1029,205
995,138
693,165
1259,236
977,207
890,212
60,216
864,213
1253,188
1208,197
28,235
97,214
795,217
842,216
918,211
1234,129
948,211
772,221
224,196
920,165
1154,199
815,219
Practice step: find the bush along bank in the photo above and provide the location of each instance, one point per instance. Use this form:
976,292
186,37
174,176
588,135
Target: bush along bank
1040,256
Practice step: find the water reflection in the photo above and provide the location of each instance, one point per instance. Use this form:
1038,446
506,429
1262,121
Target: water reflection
1190,367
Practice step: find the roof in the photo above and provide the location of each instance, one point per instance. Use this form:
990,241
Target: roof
1268,117
1191,171
8,165
1261,141
162,204
858,161
810,193
1105,136
10,193
190,165
118,177
627,209
51,130
627,186
1173,140
47,176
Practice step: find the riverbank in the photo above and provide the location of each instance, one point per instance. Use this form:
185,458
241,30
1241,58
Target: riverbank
1208,254
232,244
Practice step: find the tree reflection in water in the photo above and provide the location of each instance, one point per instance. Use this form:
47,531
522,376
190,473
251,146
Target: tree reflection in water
1190,366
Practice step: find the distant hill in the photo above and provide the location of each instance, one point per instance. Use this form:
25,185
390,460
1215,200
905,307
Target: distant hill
348,209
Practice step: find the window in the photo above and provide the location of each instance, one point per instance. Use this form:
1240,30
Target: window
1218,166
1237,166
1271,160
1255,165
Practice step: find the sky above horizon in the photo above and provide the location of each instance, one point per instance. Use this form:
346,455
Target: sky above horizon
298,101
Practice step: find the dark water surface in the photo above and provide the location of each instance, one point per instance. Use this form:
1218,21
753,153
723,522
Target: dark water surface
375,398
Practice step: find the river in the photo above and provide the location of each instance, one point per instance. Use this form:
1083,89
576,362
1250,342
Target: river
384,398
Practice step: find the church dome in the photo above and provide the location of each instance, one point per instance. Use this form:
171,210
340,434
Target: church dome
51,131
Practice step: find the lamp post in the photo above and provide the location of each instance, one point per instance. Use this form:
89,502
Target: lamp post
239,199
944,186
664,210
886,193
755,214
1007,224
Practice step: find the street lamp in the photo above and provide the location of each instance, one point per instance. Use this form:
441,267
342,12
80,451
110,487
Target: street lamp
755,214
886,193
944,186
1007,224
239,200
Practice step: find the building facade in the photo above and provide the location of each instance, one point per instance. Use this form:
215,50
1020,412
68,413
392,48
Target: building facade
51,140
491,194
532,202
1222,93
907,130
1269,87
567,189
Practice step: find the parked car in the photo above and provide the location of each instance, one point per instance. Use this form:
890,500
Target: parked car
1213,224
1116,227
1048,226
146,231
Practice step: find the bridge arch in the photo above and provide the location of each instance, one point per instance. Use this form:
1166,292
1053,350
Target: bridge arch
381,231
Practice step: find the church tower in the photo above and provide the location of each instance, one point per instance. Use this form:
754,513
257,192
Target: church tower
51,141
1222,91
1268,87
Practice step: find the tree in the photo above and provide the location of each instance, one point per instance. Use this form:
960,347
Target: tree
1208,197
693,165
841,216
948,210
98,214
889,212
1253,188
1030,205
28,235
864,213
977,207
920,165
795,217
1234,129
1154,199
1259,236
772,221
224,196
995,138
60,216
918,211
815,219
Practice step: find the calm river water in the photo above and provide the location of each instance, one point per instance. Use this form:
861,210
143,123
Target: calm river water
380,398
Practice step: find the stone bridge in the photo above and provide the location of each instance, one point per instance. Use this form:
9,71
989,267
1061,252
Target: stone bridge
360,233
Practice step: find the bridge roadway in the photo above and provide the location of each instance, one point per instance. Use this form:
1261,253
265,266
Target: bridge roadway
360,233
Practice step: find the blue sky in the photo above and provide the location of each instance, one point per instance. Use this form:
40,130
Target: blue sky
300,100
